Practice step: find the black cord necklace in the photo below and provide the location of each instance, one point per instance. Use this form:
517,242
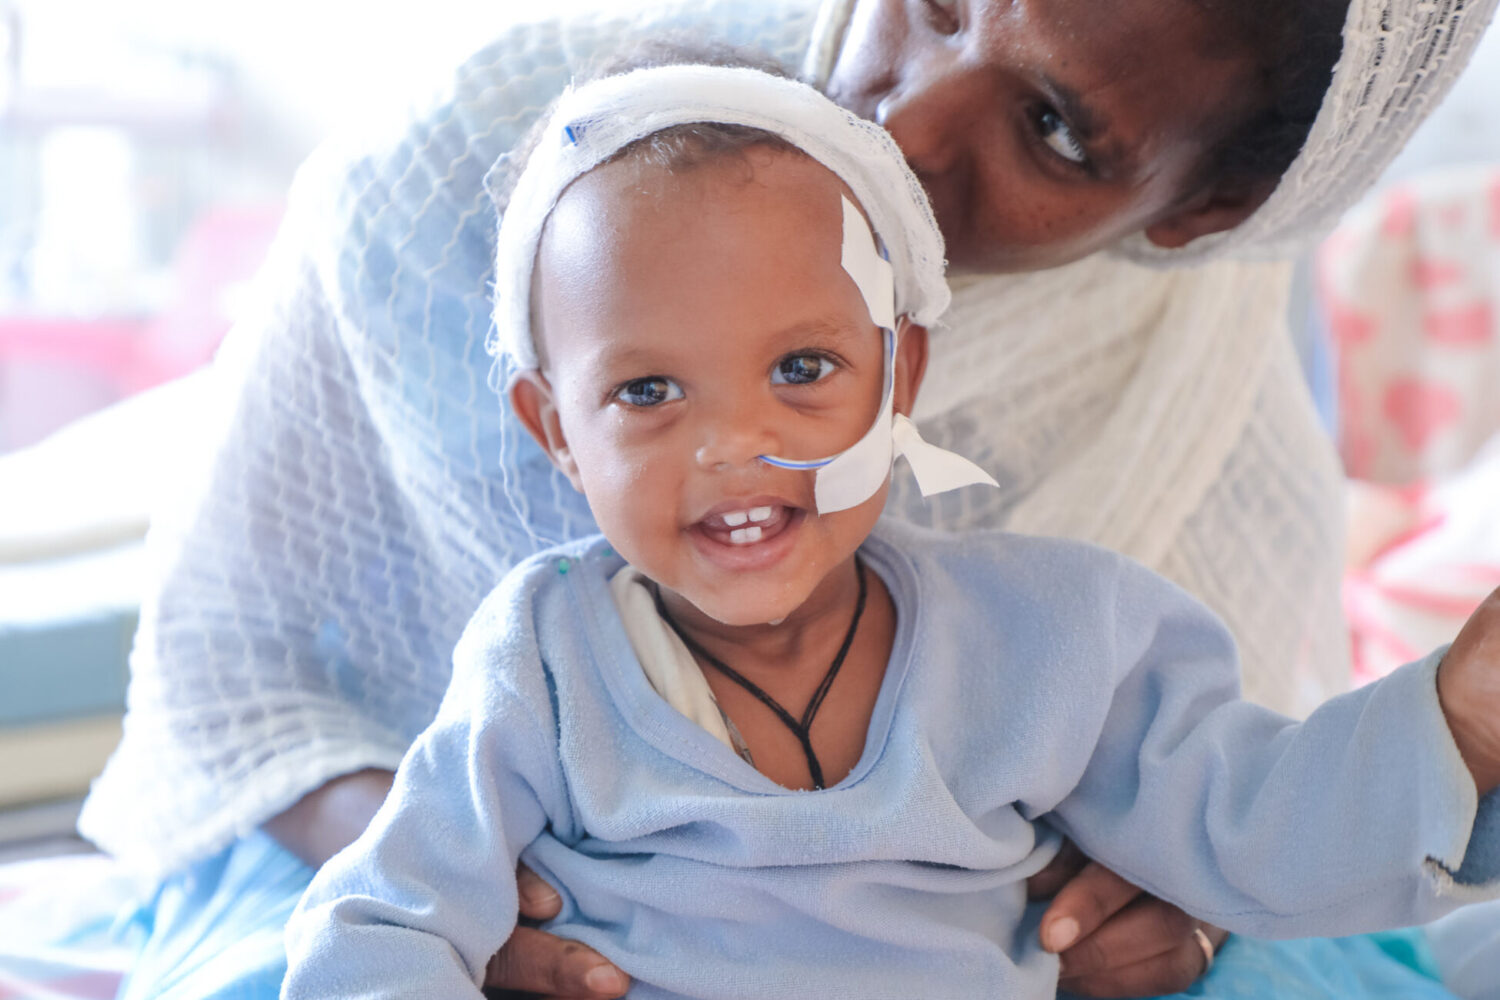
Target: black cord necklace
800,728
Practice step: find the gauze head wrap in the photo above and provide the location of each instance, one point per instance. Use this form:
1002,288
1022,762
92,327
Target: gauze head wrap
592,122
1399,59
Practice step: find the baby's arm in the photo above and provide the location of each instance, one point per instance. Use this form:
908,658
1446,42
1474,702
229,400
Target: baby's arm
1363,817
421,901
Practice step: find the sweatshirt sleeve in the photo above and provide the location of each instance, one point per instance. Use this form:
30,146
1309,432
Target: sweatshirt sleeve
1362,817
418,904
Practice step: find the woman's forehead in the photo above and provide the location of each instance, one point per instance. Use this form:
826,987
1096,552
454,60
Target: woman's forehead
1118,60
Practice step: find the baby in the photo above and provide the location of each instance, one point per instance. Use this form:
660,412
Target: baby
766,745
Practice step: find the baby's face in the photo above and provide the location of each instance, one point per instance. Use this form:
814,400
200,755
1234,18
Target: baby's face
689,324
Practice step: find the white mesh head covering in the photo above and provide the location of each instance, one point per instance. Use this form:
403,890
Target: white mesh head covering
592,122
1400,57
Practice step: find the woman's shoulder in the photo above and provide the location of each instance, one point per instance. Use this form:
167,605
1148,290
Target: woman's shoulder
396,212
441,147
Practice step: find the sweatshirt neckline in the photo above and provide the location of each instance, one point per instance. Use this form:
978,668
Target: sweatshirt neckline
673,734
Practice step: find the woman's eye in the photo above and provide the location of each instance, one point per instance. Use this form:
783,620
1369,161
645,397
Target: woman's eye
801,369
649,391
943,14
1058,136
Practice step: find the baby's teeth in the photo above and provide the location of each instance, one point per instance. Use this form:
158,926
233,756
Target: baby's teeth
760,513
735,518
744,536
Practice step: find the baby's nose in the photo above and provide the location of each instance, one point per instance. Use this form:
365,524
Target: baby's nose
737,439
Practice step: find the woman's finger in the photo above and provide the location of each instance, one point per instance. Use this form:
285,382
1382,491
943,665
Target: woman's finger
1082,905
1045,883
534,961
1146,929
1170,972
539,901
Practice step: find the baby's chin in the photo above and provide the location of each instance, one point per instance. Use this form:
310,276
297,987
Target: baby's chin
739,615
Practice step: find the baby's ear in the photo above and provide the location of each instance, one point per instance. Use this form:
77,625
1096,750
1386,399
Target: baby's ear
532,399
911,364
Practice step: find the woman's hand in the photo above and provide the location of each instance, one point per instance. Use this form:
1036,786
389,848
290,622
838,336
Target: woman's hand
535,963
1113,939
532,962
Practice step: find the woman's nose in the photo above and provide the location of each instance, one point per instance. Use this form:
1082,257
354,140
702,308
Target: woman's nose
927,115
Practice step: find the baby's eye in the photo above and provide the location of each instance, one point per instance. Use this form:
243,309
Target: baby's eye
802,369
651,391
1059,137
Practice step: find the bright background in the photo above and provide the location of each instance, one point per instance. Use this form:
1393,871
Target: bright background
144,151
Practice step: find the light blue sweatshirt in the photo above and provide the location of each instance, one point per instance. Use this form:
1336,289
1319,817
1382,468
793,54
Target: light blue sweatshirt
1035,687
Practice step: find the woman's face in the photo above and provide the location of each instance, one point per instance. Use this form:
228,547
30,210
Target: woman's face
1047,129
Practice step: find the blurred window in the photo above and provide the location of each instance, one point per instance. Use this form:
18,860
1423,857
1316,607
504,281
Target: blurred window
144,151
134,201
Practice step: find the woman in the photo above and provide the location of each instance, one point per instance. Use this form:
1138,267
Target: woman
351,518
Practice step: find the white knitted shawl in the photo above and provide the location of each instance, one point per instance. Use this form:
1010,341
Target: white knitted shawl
366,489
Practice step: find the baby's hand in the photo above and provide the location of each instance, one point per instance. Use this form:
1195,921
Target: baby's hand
1468,683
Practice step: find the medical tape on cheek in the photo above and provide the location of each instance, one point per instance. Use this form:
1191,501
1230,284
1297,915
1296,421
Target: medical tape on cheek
854,475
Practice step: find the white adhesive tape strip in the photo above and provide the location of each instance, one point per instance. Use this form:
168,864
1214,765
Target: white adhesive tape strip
871,272
853,476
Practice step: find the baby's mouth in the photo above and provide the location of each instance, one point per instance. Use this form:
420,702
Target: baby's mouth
748,525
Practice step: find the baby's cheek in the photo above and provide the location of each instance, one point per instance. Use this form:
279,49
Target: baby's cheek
632,503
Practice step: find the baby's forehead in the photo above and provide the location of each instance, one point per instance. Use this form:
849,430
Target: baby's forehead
643,201
632,233
642,182
631,201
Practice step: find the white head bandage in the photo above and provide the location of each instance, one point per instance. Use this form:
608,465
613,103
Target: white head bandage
593,122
